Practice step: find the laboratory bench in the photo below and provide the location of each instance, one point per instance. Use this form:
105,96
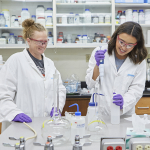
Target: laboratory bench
19,129
142,107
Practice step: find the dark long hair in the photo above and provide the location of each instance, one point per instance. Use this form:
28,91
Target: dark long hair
139,52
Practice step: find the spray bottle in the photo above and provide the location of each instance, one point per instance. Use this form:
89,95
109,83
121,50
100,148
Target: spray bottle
77,125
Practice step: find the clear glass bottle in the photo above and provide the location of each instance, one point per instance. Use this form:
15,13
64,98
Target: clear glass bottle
33,17
2,20
56,125
16,23
71,18
87,17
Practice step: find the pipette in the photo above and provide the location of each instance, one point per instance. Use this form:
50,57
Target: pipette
101,68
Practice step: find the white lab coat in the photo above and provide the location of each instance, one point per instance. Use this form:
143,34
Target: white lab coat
129,81
23,89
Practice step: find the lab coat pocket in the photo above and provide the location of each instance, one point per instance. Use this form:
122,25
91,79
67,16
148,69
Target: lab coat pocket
128,78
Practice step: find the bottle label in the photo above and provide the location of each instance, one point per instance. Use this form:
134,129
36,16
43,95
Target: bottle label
78,125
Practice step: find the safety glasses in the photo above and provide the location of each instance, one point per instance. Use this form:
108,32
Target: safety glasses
40,43
122,43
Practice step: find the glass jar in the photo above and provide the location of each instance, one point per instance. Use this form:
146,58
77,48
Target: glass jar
84,39
61,37
20,39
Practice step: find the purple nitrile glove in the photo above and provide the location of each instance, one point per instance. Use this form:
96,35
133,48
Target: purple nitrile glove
52,112
22,118
99,55
118,100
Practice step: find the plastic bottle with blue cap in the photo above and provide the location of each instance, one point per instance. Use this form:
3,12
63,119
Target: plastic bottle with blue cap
77,125
92,110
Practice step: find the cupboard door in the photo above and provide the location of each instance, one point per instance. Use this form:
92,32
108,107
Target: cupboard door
82,102
143,106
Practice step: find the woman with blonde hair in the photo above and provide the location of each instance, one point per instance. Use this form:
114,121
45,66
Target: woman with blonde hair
26,79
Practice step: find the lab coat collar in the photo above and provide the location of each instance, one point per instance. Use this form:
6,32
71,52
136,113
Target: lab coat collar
127,63
33,65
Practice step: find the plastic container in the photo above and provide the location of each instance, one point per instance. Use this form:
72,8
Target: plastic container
61,37
107,19
129,15
122,18
87,17
7,16
19,20
59,40
147,14
33,17
101,19
84,39
50,38
2,40
69,38
16,23
20,39
49,21
2,20
11,39
25,14
71,19
7,36
49,12
135,16
64,19
77,125
115,113
41,20
40,11
141,17
76,19
80,38
95,19
13,17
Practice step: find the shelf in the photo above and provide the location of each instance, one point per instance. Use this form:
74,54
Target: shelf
82,45
17,28
96,4
26,0
17,46
140,5
83,25
142,25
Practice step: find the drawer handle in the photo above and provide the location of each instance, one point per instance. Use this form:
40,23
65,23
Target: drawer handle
143,107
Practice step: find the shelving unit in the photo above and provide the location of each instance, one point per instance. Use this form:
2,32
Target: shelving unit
64,8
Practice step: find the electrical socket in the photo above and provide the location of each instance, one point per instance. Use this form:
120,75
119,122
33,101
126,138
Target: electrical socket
147,147
139,147
139,144
88,57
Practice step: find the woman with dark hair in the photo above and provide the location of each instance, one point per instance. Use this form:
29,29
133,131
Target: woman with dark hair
124,69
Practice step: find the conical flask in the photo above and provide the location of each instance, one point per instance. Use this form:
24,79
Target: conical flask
56,125
96,125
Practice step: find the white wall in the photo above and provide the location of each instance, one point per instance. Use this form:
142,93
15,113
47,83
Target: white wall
67,61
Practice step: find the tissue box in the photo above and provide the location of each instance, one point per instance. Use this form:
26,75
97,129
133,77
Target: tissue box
129,1
130,134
